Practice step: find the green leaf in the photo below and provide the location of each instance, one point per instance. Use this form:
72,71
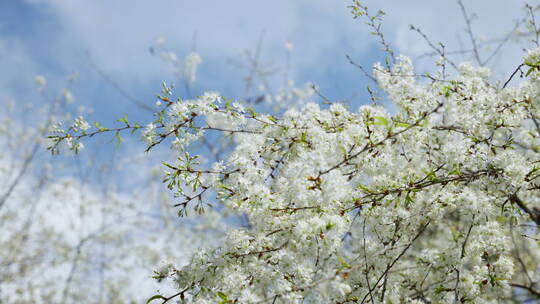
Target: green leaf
446,91
135,128
99,127
252,112
124,119
118,137
155,297
223,296
431,176
344,151
329,226
364,188
369,89
408,200
380,121
402,125
272,118
440,289
455,170
344,263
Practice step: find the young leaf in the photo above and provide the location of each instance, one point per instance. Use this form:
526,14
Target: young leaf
155,297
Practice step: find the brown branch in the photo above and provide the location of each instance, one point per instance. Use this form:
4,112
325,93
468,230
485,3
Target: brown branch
462,255
370,146
518,256
512,75
423,183
236,255
533,215
389,267
530,289
181,294
365,258
450,128
294,209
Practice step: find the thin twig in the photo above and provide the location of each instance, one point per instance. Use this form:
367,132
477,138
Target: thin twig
469,31
368,75
115,85
436,49
513,74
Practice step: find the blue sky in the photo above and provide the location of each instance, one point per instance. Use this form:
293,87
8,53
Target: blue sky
52,38
55,37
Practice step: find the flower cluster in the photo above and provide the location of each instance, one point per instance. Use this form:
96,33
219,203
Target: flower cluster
191,62
427,204
431,203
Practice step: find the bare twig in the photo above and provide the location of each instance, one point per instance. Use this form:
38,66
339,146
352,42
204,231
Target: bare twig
389,267
513,74
368,75
530,289
436,49
468,30
116,86
21,173
533,215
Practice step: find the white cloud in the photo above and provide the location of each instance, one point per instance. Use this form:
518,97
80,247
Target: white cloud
118,34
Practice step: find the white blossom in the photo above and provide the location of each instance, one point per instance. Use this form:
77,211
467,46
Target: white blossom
40,80
191,62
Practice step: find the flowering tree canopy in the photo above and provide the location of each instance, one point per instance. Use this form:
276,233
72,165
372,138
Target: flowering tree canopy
433,202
